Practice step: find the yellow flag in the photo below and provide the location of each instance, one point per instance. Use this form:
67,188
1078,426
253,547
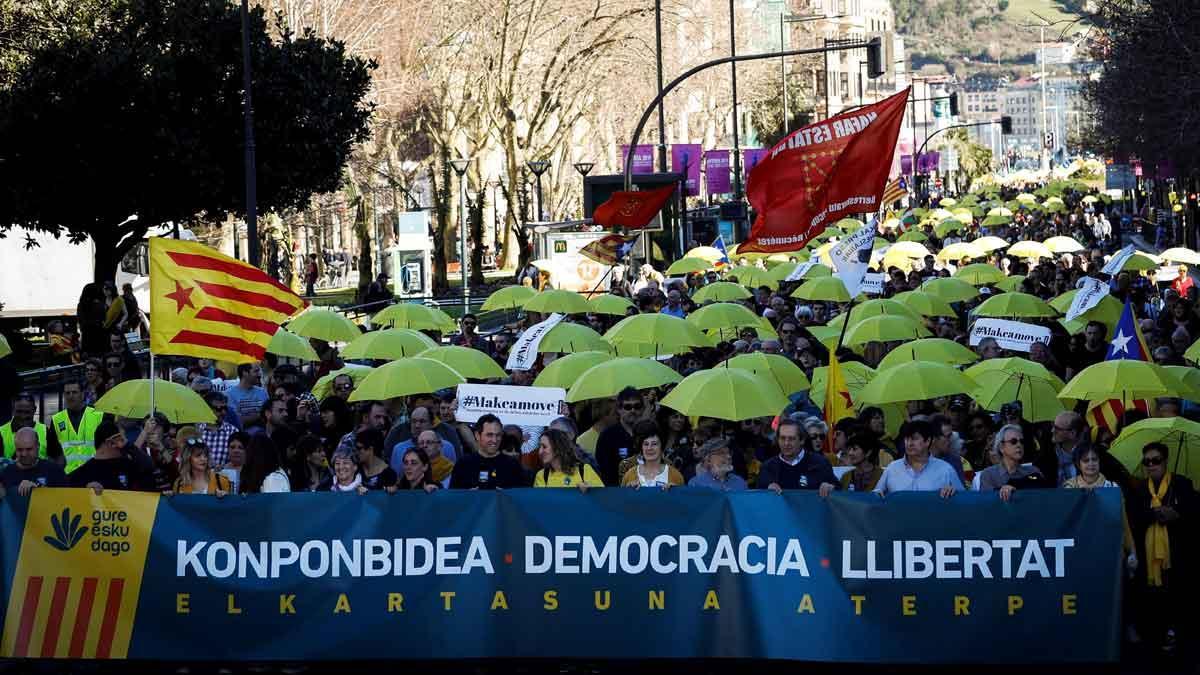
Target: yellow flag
838,405
208,305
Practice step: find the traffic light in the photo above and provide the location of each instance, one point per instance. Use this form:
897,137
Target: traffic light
1006,125
954,104
875,68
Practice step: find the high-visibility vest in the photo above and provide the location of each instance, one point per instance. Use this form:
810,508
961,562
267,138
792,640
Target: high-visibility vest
78,445
10,445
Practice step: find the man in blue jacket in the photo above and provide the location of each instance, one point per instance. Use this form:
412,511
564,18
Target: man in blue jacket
797,466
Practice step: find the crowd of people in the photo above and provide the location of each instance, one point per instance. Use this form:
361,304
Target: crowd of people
274,435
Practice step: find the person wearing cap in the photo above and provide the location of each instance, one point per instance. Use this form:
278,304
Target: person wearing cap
112,467
715,471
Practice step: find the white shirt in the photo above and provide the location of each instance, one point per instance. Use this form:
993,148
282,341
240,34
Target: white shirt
276,481
663,477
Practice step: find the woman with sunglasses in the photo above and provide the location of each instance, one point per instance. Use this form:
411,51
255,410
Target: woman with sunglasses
1010,473
1162,517
196,475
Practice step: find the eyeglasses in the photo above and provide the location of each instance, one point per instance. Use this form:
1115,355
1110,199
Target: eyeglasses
193,442
1152,461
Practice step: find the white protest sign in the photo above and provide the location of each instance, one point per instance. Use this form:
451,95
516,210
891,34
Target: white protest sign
1011,335
525,350
801,269
872,283
1089,294
851,256
1115,263
523,406
1166,273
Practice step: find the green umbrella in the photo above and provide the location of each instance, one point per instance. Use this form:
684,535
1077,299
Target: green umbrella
1022,305
1181,436
915,381
285,343
950,289
565,372
666,334
406,377
726,393
571,337
721,291
609,378
779,368
178,403
935,350
414,316
324,324
554,300
826,289
925,304
688,266
509,297
980,274
885,328
470,363
613,305
723,315
388,345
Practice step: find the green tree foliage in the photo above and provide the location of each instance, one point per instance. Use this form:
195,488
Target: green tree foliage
143,114
1145,97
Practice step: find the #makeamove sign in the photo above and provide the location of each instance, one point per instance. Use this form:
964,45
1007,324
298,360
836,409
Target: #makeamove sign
541,573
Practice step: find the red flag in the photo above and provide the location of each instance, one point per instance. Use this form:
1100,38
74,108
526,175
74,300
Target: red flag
633,210
822,173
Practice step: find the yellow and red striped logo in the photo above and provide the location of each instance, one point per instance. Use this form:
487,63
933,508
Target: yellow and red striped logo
75,591
205,304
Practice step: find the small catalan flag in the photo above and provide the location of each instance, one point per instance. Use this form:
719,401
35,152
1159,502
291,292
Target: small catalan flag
894,191
208,305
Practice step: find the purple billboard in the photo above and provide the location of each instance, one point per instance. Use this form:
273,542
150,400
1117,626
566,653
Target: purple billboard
643,158
686,158
716,172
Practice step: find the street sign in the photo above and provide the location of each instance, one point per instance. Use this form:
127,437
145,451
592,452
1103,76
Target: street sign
1049,140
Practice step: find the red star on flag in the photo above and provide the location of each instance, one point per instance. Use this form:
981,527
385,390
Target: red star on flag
182,297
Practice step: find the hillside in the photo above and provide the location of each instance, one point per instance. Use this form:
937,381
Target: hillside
973,35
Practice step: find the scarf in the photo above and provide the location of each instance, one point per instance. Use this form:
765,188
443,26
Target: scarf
353,486
1081,482
1158,546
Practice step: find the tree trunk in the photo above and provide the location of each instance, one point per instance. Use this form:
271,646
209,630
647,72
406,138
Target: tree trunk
364,243
475,222
439,180
111,247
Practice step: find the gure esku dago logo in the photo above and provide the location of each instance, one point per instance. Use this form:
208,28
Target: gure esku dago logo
67,531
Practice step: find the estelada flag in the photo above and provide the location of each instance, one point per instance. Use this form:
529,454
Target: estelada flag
821,173
608,250
838,405
633,210
208,305
1127,343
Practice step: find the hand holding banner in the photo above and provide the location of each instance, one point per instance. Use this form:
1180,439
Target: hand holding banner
524,351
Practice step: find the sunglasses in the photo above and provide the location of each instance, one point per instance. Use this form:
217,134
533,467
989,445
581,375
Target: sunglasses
1152,461
632,406
1015,441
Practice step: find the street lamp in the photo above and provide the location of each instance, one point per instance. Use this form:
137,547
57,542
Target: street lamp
460,167
584,168
538,167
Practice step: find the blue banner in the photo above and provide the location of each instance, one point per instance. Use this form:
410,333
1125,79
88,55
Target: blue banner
611,574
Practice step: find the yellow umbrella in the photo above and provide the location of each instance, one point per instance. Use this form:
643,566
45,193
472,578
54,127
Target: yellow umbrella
556,300
470,363
607,303
726,393
390,344
1007,305
1001,381
5,350
979,274
915,381
825,289
990,243
324,324
406,377
1001,212
705,252
1107,312
1189,377
285,343
324,385
665,334
415,316
568,338
1193,353
1125,379
1181,255
752,277
1139,262
565,372
786,374
1026,198
913,235
881,307
910,249
925,304
723,315
178,403
1030,249
721,291
509,297
1181,436
947,226
963,214
935,350
609,378
1062,244
950,289
688,266
885,329
958,251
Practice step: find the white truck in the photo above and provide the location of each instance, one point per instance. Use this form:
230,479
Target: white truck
45,280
